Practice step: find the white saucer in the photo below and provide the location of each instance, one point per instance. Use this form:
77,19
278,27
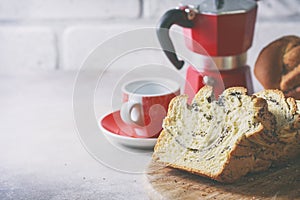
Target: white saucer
115,130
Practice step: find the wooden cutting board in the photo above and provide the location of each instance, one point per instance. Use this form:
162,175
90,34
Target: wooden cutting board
171,184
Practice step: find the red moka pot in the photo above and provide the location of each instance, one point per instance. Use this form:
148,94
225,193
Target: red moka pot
220,32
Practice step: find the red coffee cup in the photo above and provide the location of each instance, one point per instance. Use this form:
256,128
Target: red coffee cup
145,104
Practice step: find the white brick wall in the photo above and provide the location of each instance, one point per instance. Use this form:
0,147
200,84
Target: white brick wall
59,34
156,8
79,41
27,48
68,9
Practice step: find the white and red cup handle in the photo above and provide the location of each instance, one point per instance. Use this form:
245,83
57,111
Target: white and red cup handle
131,113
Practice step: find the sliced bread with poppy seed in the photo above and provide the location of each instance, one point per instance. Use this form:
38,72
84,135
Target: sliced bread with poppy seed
287,116
219,139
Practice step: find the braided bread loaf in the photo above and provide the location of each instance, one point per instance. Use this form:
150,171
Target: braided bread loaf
278,66
227,138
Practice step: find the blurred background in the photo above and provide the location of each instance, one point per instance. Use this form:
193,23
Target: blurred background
59,34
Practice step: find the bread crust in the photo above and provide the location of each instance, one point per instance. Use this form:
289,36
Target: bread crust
291,80
278,65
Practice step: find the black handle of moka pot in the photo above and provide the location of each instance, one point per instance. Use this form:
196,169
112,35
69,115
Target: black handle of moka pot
174,16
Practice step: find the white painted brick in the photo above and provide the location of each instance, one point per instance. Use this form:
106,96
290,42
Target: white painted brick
25,48
68,9
278,8
79,41
156,8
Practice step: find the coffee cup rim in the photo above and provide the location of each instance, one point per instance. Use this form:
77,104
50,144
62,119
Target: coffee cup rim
172,86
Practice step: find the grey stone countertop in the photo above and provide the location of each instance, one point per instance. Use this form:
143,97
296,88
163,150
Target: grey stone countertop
42,155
